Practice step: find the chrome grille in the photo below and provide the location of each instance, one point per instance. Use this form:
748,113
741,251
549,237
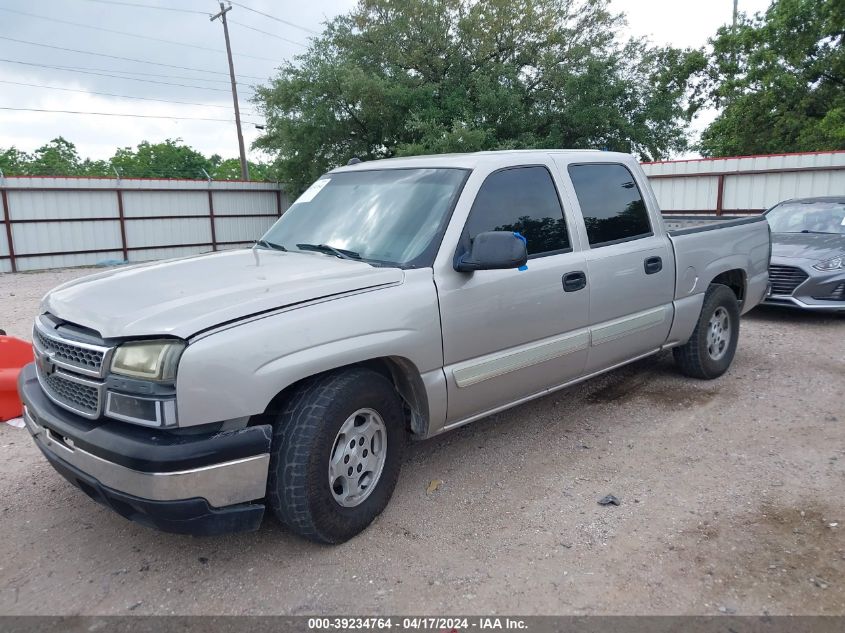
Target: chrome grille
84,358
785,279
70,371
78,395
71,354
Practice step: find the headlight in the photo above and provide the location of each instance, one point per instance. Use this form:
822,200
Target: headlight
831,264
153,360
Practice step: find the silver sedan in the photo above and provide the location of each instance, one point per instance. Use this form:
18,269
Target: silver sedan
807,269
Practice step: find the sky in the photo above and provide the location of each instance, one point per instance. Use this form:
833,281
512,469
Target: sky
194,70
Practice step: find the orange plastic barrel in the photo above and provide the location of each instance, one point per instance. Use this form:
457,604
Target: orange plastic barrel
14,354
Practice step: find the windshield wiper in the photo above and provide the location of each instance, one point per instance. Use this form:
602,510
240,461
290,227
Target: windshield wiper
271,245
330,250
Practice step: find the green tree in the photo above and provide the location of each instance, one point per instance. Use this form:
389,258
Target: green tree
230,169
59,156
98,168
399,77
14,162
169,159
780,81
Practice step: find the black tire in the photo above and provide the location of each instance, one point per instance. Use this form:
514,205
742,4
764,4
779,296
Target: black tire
693,358
298,489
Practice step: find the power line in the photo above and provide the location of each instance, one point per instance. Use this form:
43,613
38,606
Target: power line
134,116
110,94
99,74
143,37
149,6
278,37
121,72
197,12
273,17
128,59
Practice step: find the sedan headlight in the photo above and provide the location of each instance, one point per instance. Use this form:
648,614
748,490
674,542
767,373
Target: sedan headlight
831,264
150,360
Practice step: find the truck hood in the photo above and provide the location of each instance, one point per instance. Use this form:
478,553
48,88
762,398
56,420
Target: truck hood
181,297
812,246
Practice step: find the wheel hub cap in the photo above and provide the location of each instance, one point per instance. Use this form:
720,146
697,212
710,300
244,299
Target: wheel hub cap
718,333
357,457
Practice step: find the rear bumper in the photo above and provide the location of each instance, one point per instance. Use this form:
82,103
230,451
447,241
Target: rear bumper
196,484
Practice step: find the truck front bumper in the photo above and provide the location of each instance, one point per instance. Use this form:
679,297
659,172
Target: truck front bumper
206,483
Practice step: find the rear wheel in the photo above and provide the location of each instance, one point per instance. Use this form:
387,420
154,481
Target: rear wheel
336,454
710,350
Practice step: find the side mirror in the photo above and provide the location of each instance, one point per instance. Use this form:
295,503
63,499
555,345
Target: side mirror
494,250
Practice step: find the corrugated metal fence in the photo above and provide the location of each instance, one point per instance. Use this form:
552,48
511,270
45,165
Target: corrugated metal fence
743,185
57,222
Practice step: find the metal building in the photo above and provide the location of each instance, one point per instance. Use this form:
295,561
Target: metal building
745,184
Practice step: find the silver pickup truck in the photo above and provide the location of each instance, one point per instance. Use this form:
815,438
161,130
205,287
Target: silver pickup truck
394,299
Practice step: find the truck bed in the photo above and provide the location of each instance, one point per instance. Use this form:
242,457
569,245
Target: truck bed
709,245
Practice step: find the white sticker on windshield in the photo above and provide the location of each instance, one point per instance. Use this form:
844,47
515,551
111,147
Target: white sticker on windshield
309,194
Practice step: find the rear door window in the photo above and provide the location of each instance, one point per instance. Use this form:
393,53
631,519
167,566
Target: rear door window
611,202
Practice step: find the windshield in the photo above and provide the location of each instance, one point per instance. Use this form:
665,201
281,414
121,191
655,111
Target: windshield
807,217
383,216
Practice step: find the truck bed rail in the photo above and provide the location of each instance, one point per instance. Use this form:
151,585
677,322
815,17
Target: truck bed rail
684,225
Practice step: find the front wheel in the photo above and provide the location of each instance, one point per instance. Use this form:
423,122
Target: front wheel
711,348
337,451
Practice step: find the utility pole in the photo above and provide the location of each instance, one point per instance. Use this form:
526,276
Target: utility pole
222,15
733,40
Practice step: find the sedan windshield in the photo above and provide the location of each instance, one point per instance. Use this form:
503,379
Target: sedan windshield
387,216
807,217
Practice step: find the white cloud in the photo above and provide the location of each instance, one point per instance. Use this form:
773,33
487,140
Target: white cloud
663,21
681,23
99,136
684,25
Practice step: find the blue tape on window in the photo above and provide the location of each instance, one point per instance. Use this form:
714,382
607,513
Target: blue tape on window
524,241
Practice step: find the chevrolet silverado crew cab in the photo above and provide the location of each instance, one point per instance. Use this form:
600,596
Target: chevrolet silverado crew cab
394,299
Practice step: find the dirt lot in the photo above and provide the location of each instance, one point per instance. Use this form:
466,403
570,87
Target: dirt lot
732,501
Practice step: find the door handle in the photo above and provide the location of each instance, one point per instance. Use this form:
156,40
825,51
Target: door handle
652,265
574,281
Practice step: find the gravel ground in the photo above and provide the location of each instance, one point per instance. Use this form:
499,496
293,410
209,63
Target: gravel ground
731,496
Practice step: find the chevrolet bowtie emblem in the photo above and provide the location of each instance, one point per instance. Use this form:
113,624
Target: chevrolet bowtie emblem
44,360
